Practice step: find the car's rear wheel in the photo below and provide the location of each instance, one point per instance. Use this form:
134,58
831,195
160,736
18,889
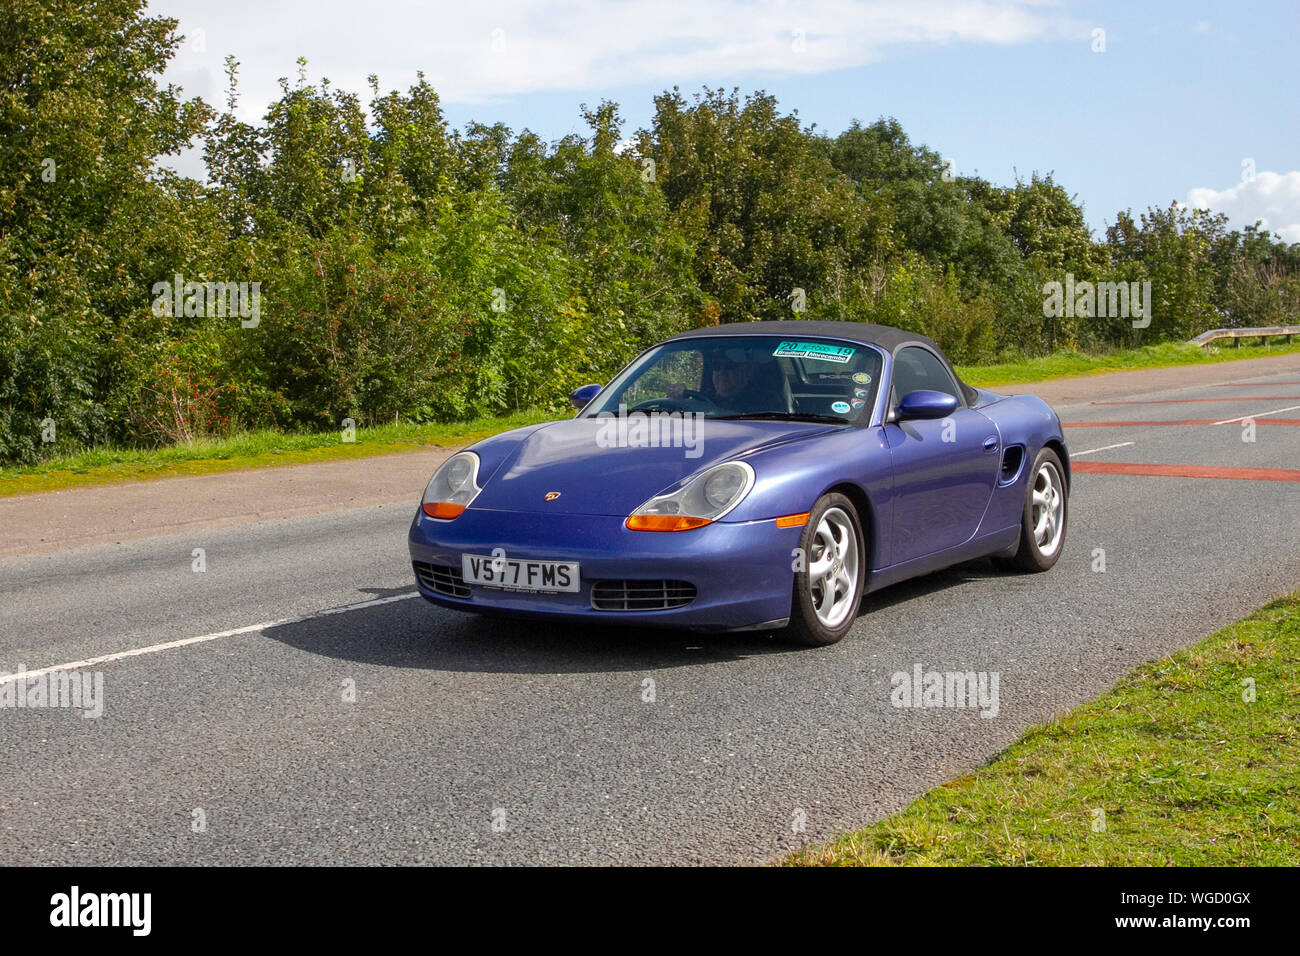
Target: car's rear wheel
828,586
1046,513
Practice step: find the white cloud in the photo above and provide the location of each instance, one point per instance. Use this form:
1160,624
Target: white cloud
570,44
1271,197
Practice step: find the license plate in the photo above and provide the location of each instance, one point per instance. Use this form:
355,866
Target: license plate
515,574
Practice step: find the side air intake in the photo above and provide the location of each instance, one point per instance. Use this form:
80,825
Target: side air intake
1012,460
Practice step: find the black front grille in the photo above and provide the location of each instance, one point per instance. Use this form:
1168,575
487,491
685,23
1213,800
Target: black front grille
641,595
444,580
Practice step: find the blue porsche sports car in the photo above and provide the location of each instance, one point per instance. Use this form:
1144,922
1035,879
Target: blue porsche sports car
757,475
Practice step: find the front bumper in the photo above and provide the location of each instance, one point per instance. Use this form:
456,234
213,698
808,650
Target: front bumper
742,571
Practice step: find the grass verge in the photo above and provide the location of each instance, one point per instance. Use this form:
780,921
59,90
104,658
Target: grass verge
247,450
1186,771
1065,364
267,448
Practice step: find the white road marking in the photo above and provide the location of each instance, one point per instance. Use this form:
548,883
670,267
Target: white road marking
1276,411
188,641
1076,454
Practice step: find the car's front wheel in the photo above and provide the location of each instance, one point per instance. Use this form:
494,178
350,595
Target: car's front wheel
1043,521
829,575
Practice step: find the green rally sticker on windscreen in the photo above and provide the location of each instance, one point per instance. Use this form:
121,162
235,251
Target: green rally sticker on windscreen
815,350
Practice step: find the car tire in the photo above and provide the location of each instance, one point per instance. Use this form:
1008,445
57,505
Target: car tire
834,559
1047,500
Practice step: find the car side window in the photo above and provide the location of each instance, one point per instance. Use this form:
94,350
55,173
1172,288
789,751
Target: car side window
915,368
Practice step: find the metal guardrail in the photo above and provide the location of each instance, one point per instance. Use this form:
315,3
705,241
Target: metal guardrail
1263,334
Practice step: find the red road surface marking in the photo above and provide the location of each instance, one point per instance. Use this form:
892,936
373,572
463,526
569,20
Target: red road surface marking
1253,384
1184,471
1182,401
1183,421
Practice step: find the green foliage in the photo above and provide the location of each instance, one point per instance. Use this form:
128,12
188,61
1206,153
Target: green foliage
409,271
925,299
763,208
1173,249
86,215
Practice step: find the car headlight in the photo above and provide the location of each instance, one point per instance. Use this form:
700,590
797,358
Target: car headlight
453,486
704,499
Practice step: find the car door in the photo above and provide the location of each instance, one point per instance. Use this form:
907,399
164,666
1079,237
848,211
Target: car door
945,469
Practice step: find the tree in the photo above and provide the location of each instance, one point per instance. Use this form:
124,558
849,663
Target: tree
88,219
764,208
1172,248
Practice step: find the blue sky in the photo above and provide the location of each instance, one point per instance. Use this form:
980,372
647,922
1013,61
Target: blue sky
1182,96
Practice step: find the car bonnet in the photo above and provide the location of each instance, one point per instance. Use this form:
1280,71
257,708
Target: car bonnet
611,466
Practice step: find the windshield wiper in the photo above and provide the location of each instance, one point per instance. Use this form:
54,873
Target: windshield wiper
784,417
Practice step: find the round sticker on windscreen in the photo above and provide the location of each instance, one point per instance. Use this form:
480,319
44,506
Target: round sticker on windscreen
862,378
840,407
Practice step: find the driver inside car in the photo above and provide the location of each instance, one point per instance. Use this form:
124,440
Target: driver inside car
741,384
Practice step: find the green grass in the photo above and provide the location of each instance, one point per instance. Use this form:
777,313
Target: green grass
265,448
247,450
1187,773
1065,364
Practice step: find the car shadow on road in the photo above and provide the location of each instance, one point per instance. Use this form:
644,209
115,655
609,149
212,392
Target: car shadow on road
980,569
415,634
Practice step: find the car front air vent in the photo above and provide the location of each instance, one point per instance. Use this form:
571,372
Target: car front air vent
444,580
641,595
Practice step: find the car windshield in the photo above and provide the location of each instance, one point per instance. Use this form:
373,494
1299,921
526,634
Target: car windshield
803,379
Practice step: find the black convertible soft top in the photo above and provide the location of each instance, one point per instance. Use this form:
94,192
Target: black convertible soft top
885,336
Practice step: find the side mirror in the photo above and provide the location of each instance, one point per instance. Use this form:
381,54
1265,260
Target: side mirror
581,397
924,403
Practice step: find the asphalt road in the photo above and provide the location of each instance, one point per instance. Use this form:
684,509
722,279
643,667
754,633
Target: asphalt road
478,741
